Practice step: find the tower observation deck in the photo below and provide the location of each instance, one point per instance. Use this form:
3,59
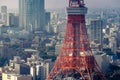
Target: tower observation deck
76,61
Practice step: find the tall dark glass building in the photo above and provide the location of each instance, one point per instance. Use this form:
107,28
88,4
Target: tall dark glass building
32,15
25,14
39,15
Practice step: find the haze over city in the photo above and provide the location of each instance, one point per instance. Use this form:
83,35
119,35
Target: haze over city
63,3
59,39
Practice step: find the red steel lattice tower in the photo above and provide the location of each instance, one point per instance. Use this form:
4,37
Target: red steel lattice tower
76,59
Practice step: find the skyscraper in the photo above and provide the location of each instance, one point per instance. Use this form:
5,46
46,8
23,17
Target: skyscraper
38,15
32,15
96,27
4,15
25,14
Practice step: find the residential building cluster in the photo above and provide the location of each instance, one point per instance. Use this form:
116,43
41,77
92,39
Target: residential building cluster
35,68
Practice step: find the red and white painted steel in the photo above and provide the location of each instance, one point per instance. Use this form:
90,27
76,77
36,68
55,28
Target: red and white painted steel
76,55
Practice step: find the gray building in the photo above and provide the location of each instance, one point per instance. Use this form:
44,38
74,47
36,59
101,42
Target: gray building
3,9
39,15
22,69
4,15
96,34
25,14
32,15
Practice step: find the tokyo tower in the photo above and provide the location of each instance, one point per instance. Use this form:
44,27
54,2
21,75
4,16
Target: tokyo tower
76,61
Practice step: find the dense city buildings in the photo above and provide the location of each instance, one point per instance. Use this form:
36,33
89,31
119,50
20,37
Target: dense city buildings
31,38
4,15
13,76
34,69
38,15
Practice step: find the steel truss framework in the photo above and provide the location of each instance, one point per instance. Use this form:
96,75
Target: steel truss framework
76,56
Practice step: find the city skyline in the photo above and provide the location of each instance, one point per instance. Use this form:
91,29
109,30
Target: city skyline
51,39
48,3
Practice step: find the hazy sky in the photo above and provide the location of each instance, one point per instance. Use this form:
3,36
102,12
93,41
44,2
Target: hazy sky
63,3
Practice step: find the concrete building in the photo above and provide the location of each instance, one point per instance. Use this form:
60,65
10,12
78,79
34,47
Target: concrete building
4,15
113,44
12,19
35,64
19,67
58,47
40,72
48,67
39,68
33,72
15,60
39,15
12,76
96,34
103,60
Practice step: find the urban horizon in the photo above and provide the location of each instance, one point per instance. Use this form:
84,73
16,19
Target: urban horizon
49,40
61,4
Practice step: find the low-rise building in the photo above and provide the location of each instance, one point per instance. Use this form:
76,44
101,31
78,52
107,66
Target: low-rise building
12,76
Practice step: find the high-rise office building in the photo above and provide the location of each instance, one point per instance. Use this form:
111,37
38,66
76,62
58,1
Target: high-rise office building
39,15
13,76
32,15
25,14
4,15
96,27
